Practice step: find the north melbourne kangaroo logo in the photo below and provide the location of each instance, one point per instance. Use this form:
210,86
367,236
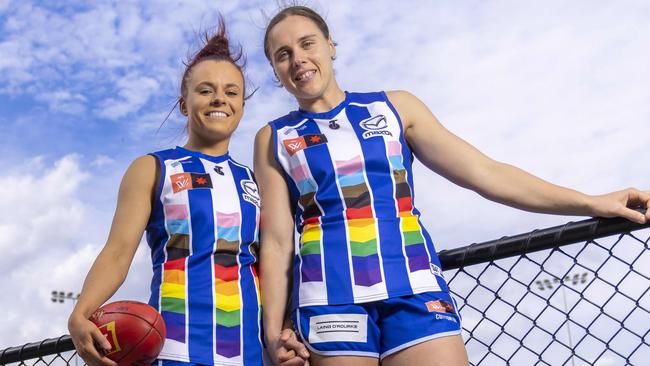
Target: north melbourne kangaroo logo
375,126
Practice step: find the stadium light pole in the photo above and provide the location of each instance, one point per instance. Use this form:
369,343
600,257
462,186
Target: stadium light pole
60,297
573,279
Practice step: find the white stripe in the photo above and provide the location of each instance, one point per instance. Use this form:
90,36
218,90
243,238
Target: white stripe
250,268
178,349
332,148
315,289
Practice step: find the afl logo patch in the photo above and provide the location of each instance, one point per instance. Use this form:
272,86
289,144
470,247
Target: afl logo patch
296,144
375,126
250,192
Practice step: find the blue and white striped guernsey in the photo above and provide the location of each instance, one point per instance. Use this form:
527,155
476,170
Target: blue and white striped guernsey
350,181
203,233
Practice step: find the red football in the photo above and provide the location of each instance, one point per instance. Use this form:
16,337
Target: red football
135,330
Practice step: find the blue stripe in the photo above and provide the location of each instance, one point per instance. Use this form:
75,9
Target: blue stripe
407,156
176,363
155,233
382,186
200,267
250,328
335,253
433,256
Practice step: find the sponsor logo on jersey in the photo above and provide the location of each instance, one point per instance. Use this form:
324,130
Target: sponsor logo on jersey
338,328
251,193
446,317
294,145
218,170
299,128
333,125
185,181
178,162
375,126
299,143
439,306
436,270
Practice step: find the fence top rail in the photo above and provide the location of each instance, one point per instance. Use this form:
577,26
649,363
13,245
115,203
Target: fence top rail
37,349
536,240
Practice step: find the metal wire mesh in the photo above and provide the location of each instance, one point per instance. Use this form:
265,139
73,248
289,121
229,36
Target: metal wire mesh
57,359
48,352
529,299
582,304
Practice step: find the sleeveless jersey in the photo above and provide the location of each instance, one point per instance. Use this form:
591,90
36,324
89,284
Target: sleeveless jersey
349,176
203,233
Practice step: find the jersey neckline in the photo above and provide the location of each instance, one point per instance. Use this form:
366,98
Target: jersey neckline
212,158
329,114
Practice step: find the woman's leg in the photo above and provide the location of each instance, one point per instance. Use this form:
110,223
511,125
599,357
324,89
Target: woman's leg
444,351
317,360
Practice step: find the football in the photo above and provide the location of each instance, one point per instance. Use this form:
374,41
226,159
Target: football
135,330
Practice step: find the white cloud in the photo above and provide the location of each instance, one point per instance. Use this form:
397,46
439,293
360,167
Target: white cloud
49,238
41,222
134,91
102,160
64,101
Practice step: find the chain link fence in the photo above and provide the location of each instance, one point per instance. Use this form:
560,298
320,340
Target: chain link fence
576,294
579,304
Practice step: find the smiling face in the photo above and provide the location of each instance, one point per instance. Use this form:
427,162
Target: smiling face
301,57
213,102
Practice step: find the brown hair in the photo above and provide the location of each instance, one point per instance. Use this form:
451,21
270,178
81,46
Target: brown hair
299,10
216,47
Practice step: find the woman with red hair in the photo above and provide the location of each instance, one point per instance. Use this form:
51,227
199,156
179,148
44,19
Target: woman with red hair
200,210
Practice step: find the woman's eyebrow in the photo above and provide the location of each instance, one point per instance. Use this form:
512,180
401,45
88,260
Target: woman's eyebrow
282,48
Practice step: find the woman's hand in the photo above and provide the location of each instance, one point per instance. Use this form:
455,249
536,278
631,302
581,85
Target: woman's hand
622,203
287,350
85,335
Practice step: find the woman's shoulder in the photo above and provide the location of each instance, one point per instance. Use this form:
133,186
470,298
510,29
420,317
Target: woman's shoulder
400,96
141,173
144,163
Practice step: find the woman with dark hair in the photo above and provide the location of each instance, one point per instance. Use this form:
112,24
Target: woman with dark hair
367,283
200,210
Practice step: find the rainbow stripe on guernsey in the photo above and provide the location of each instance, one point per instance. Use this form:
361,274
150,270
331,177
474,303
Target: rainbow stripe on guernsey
226,285
362,231
310,241
203,233
172,292
349,174
416,252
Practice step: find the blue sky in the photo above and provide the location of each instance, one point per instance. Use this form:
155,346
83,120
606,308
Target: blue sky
559,89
